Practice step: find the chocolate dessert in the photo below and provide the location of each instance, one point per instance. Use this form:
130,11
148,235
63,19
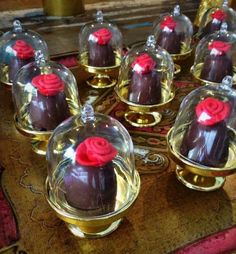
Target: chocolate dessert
90,183
24,54
145,83
218,63
207,139
218,17
168,38
48,107
100,51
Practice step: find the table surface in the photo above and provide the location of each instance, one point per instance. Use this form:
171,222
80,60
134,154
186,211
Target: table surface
166,215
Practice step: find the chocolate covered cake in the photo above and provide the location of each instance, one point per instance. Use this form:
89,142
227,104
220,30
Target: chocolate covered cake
145,83
168,38
90,183
207,139
48,107
24,54
100,51
218,63
218,17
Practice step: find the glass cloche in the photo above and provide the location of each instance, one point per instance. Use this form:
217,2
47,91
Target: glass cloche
17,48
215,56
92,181
100,49
202,140
173,32
45,94
145,83
214,17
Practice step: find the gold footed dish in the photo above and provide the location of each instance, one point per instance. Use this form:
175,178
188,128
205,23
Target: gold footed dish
103,77
144,119
196,72
39,139
83,225
196,176
101,81
144,115
182,56
4,77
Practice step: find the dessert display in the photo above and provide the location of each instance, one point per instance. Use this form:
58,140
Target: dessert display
48,107
218,16
207,139
93,163
202,140
92,182
44,94
213,18
168,38
215,57
218,63
24,54
145,83
173,32
100,51
17,48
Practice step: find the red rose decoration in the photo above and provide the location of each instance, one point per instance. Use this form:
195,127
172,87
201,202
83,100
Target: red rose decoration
48,84
211,111
101,36
95,151
143,64
219,15
23,49
168,22
219,47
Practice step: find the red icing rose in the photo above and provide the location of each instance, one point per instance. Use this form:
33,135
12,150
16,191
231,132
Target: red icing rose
219,15
23,49
143,64
211,111
168,22
220,47
95,151
48,84
102,36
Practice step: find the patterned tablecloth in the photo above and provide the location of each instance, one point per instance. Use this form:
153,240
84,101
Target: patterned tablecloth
166,217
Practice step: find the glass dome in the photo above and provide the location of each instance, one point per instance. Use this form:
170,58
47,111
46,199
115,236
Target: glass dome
146,75
146,81
92,179
173,32
17,48
213,19
202,139
215,56
100,49
45,94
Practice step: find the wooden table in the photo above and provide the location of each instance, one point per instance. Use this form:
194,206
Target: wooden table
166,216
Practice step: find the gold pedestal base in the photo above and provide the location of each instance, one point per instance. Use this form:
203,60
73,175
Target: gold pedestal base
198,182
93,232
142,119
101,81
39,147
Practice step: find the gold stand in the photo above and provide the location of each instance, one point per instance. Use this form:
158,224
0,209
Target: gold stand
39,139
101,81
92,226
144,115
196,176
